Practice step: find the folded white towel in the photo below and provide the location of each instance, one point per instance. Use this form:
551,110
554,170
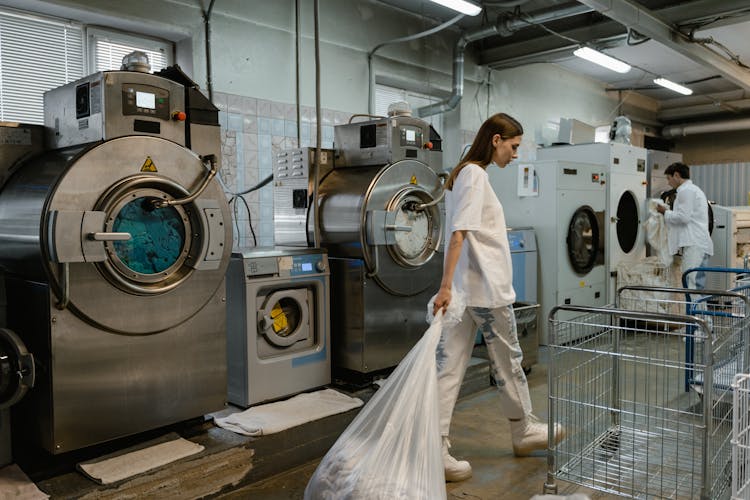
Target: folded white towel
275,417
110,469
16,485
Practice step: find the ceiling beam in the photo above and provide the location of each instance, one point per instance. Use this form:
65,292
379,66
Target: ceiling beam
685,13
647,23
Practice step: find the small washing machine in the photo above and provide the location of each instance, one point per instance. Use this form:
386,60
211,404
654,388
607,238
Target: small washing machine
566,212
278,324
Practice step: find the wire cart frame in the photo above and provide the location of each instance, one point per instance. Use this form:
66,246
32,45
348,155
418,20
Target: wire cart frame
617,384
741,438
719,311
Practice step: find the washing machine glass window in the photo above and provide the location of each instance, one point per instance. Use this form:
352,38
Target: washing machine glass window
627,221
16,369
8,375
163,240
583,240
283,318
413,228
157,236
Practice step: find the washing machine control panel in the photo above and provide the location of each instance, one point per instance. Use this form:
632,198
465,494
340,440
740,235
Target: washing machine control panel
304,264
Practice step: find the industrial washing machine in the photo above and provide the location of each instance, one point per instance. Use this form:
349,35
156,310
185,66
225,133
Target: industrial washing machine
115,242
625,169
380,217
278,328
731,238
16,378
567,214
656,163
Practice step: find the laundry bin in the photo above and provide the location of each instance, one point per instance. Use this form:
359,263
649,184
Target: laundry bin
527,321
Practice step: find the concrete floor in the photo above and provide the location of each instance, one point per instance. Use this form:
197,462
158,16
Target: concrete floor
479,434
278,466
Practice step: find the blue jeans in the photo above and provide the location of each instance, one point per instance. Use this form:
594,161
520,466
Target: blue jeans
498,326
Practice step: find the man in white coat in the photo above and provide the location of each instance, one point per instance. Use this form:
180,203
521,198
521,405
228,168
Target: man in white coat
687,224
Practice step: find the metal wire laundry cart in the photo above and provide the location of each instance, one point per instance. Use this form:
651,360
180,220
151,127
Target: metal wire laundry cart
722,312
741,438
616,383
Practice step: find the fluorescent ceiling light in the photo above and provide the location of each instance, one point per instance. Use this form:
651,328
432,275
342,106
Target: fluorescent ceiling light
462,6
602,59
673,86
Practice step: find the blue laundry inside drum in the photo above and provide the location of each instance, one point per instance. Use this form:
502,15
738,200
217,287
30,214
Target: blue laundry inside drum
157,236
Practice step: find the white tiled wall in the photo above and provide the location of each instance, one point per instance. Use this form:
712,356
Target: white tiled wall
253,131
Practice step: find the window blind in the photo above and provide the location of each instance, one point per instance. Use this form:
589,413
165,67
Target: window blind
386,95
36,55
108,49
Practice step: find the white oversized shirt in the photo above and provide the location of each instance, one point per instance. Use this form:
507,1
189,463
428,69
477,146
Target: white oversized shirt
484,273
687,222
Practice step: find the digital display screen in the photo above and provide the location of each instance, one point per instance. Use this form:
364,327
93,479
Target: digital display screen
306,266
411,135
145,100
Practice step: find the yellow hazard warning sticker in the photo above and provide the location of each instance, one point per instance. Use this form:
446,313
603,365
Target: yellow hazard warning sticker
148,165
413,179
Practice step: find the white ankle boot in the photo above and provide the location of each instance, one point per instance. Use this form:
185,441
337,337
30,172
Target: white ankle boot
455,470
529,435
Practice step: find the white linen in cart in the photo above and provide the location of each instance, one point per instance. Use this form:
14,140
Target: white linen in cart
656,232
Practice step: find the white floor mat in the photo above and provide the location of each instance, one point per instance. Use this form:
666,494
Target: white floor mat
275,417
118,466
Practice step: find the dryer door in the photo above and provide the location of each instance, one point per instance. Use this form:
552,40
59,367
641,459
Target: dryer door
283,316
583,240
627,221
16,369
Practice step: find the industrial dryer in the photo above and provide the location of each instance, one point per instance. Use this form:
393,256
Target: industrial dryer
381,220
656,163
625,168
566,210
115,242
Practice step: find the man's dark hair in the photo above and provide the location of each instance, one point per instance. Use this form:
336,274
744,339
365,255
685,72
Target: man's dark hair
680,168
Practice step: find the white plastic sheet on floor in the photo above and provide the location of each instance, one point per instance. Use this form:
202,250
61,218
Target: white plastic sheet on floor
392,449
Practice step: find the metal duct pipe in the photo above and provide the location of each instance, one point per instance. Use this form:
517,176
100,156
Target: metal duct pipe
504,27
705,127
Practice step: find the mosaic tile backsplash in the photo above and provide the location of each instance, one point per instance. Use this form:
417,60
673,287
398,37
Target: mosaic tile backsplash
253,131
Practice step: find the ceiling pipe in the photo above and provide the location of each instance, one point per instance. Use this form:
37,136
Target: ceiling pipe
504,27
712,108
705,127
647,23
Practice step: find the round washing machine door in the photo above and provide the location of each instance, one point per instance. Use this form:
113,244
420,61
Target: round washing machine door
112,252
583,240
388,216
283,317
627,222
16,369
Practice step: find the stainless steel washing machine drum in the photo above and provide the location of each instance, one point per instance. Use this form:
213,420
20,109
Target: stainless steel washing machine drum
72,207
128,335
374,214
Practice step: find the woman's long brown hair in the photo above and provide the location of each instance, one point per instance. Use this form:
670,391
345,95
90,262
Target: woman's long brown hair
482,149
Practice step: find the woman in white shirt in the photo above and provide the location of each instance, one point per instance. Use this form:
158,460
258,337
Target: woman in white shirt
477,265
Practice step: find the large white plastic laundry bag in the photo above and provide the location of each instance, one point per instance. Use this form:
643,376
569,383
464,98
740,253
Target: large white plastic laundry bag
392,449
